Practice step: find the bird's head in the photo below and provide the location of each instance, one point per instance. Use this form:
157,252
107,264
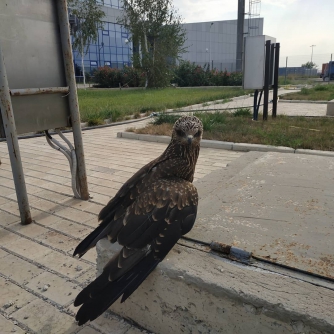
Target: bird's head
188,130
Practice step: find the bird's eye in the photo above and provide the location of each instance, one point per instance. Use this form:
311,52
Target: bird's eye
198,133
180,133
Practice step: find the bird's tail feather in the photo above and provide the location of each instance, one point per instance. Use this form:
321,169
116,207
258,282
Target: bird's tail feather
107,227
101,299
119,265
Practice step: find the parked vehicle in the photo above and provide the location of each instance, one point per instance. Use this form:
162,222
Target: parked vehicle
323,69
327,71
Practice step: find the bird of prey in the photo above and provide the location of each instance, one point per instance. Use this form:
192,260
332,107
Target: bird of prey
147,216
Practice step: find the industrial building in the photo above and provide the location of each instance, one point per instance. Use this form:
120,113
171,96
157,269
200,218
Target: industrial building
211,43
215,43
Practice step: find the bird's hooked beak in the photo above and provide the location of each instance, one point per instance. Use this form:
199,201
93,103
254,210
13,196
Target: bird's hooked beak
190,139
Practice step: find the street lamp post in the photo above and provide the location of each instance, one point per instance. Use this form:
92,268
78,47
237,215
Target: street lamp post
312,46
210,45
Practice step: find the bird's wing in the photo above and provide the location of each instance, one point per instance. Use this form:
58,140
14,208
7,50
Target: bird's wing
148,231
117,207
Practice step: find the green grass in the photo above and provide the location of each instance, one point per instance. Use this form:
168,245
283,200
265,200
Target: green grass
323,92
97,105
295,132
296,80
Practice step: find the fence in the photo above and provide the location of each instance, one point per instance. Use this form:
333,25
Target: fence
298,71
293,64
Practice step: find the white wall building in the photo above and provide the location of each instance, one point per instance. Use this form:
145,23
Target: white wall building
215,42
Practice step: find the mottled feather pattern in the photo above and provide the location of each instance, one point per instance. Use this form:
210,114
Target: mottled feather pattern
147,216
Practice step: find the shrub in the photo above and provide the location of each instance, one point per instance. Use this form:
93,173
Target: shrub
242,112
304,91
108,77
131,77
189,74
321,87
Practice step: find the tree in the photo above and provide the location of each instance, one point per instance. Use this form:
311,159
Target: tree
309,65
157,36
89,19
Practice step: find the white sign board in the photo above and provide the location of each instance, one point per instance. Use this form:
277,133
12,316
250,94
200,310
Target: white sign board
254,61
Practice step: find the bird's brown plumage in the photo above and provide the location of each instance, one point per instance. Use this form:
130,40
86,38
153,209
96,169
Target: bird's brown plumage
147,216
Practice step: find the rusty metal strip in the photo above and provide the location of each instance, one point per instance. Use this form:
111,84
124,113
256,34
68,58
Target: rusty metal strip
37,91
13,144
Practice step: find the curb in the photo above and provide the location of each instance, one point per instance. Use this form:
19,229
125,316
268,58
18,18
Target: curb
281,100
84,127
223,145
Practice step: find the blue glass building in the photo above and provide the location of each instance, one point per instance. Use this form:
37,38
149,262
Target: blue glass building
112,47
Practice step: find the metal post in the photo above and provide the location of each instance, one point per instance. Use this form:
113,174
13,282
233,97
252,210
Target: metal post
271,64
312,46
329,69
286,69
275,93
256,93
13,144
258,103
266,82
240,34
73,99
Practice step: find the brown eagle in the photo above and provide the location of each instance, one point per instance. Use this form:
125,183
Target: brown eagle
147,216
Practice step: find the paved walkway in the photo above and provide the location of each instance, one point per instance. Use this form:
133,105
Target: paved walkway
39,279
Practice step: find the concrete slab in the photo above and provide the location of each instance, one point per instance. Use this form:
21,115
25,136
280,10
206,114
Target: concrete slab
330,108
194,291
278,206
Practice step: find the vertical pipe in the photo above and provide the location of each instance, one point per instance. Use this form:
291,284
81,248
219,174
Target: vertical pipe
275,94
266,82
240,34
286,69
73,98
258,103
271,64
256,93
13,144
210,45
329,69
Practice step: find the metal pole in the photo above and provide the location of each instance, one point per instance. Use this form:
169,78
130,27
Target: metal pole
329,69
13,144
240,34
256,93
286,69
312,51
271,64
266,82
275,93
73,98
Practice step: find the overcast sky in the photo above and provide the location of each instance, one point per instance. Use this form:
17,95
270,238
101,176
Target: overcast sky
296,24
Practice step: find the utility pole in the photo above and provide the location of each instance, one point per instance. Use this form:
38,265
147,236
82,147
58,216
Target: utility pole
312,46
240,34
